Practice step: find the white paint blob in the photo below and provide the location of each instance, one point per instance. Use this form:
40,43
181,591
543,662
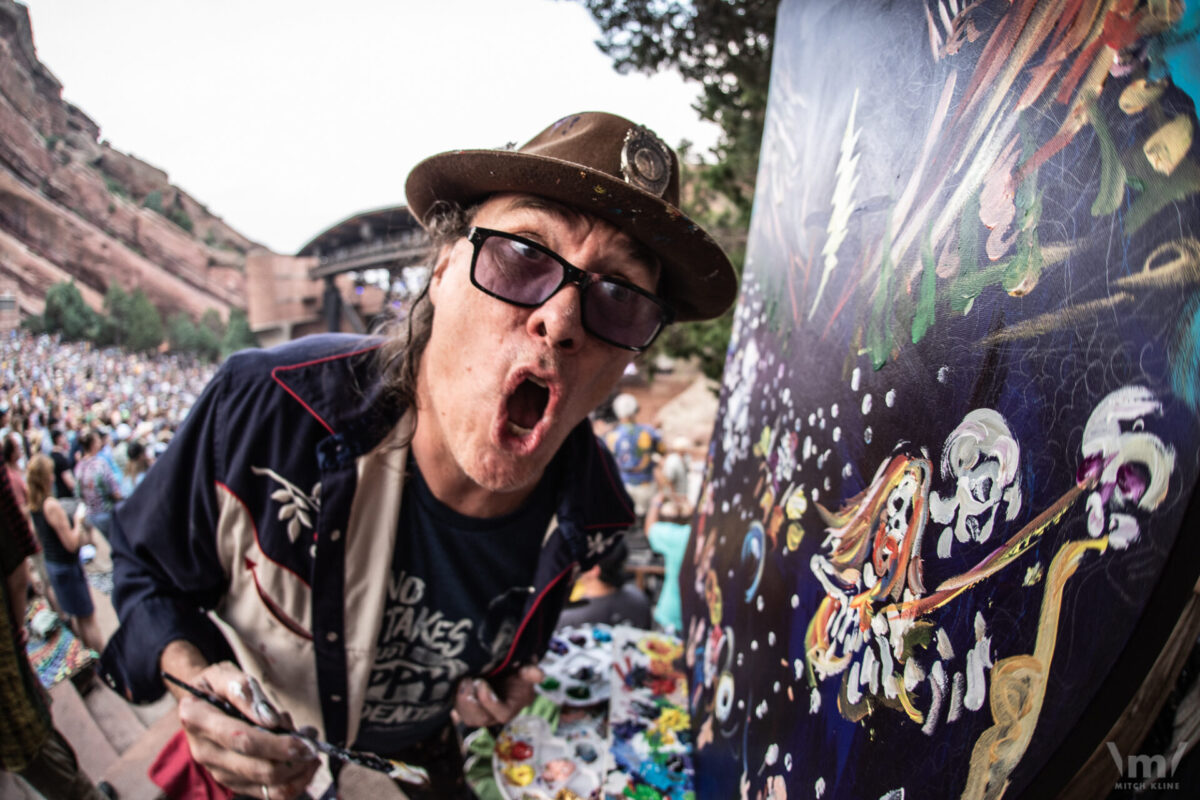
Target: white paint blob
772,755
889,399
795,601
855,377
866,404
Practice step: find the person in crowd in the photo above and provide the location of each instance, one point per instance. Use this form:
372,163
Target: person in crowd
30,745
674,473
97,483
14,464
637,448
64,465
388,526
137,462
61,537
668,528
602,594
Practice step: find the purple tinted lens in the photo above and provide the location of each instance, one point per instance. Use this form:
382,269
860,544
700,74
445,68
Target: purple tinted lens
517,272
621,315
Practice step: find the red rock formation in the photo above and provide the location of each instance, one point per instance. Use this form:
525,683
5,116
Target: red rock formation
72,207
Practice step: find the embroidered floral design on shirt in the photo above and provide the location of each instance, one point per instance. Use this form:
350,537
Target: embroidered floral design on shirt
597,543
296,507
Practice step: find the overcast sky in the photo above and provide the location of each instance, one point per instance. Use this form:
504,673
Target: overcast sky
286,116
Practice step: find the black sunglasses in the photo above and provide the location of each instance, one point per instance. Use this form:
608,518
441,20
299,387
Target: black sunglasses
522,272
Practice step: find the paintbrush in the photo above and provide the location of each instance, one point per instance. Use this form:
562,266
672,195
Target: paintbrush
398,770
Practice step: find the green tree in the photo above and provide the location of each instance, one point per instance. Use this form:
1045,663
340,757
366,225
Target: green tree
114,325
66,313
181,333
144,325
238,335
209,334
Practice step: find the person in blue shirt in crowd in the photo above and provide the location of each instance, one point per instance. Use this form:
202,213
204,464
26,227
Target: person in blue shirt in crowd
637,449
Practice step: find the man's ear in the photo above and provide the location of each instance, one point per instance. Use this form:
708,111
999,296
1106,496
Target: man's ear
439,272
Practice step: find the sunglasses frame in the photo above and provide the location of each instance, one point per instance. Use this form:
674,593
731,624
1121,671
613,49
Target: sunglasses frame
571,275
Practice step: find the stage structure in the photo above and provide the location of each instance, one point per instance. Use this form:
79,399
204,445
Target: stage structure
381,248
951,517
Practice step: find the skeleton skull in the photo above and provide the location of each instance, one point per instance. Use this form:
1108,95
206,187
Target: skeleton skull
981,456
1123,465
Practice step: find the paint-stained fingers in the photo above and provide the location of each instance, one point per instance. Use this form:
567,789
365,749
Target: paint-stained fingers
241,757
468,707
516,692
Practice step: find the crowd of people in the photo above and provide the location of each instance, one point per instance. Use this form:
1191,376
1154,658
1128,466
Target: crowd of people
79,428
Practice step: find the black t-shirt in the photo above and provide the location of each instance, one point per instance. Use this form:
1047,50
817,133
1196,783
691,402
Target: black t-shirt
458,588
62,463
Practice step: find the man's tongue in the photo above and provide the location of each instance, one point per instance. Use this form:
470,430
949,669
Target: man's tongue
526,404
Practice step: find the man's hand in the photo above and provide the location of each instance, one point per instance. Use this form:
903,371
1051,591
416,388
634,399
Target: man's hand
240,757
478,705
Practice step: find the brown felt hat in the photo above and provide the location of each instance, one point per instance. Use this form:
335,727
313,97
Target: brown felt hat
604,165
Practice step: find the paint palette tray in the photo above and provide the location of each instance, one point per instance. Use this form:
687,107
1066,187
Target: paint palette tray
577,665
648,722
532,763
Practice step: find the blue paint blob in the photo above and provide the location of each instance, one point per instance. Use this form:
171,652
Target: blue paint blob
1180,53
753,552
1185,369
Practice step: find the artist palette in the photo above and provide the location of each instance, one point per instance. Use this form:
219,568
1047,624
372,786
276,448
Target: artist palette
577,665
648,722
532,763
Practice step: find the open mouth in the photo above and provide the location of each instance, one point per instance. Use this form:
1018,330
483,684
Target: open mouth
527,405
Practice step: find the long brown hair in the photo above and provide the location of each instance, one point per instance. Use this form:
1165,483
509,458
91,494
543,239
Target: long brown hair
400,354
39,481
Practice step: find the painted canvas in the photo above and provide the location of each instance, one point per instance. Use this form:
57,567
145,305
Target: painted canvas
949,518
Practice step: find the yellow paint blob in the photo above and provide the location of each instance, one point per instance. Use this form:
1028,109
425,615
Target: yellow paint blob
796,505
795,535
1167,146
1138,95
519,774
712,593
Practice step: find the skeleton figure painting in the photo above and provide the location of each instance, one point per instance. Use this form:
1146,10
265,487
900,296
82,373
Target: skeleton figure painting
951,497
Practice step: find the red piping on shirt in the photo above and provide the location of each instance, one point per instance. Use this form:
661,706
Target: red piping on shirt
273,607
275,377
533,610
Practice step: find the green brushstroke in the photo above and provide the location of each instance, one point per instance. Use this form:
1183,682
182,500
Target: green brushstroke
1185,361
923,320
1112,171
966,287
879,331
1026,266
1158,190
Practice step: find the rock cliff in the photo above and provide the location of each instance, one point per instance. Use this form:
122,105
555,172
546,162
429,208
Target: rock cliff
73,207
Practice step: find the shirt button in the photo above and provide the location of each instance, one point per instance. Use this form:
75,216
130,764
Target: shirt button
331,637
333,537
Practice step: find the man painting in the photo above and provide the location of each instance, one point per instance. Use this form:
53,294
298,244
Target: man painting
385,529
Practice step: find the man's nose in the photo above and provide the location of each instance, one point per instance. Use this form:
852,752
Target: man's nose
559,320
